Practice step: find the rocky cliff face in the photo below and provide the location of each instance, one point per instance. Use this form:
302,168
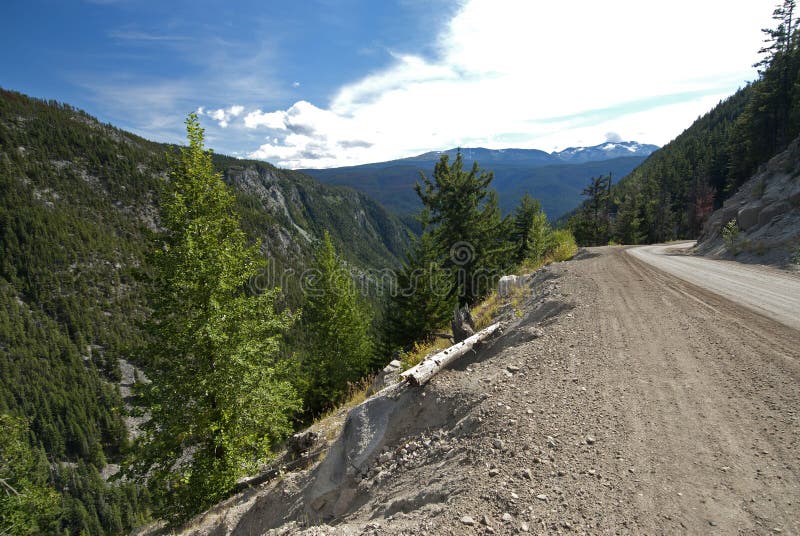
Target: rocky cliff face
293,211
766,212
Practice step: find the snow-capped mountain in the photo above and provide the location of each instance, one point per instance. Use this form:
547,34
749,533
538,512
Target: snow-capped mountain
557,178
604,151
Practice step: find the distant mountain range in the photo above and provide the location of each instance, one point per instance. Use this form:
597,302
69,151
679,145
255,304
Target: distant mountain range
605,151
556,178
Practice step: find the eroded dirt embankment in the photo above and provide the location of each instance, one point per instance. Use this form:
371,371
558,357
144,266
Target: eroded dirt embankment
625,400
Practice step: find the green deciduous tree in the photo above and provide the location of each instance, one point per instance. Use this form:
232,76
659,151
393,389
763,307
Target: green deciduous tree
28,505
220,395
335,324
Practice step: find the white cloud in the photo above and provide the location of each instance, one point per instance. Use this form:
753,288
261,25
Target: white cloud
222,116
532,74
273,120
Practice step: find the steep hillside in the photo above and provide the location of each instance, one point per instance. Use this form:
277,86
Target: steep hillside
78,202
672,193
555,178
293,210
675,191
765,212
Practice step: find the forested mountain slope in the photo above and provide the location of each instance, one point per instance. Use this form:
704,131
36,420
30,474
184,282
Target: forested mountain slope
673,193
78,202
554,178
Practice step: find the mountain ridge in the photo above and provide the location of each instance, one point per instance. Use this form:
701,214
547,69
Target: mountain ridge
602,151
557,178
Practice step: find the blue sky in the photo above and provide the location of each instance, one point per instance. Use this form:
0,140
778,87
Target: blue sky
323,82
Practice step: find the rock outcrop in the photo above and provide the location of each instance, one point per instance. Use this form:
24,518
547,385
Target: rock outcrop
766,210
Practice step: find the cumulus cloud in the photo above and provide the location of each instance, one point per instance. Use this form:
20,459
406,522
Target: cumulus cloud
222,116
273,120
613,137
531,74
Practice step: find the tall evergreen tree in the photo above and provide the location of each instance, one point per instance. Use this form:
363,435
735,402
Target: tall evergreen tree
465,221
772,117
781,39
336,326
423,300
592,225
524,216
219,396
628,223
538,236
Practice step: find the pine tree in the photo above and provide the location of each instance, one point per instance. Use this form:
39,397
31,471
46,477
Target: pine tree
423,299
538,236
523,218
592,225
628,223
771,119
781,39
336,326
465,222
219,397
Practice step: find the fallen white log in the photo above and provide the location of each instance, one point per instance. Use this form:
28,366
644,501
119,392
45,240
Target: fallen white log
431,366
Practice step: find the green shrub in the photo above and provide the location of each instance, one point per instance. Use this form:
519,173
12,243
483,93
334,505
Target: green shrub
730,235
562,245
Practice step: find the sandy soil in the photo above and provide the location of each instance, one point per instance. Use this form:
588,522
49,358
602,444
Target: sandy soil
625,400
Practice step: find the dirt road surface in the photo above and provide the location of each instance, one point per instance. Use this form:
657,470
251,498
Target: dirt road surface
626,400
771,292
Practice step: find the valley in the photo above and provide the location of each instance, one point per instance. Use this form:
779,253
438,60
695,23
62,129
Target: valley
231,303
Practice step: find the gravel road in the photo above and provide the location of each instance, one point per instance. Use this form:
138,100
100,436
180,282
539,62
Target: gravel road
624,401
774,293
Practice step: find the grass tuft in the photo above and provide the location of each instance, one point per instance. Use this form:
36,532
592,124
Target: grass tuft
421,350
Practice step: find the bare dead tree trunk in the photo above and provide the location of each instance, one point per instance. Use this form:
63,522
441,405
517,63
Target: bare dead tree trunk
431,366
